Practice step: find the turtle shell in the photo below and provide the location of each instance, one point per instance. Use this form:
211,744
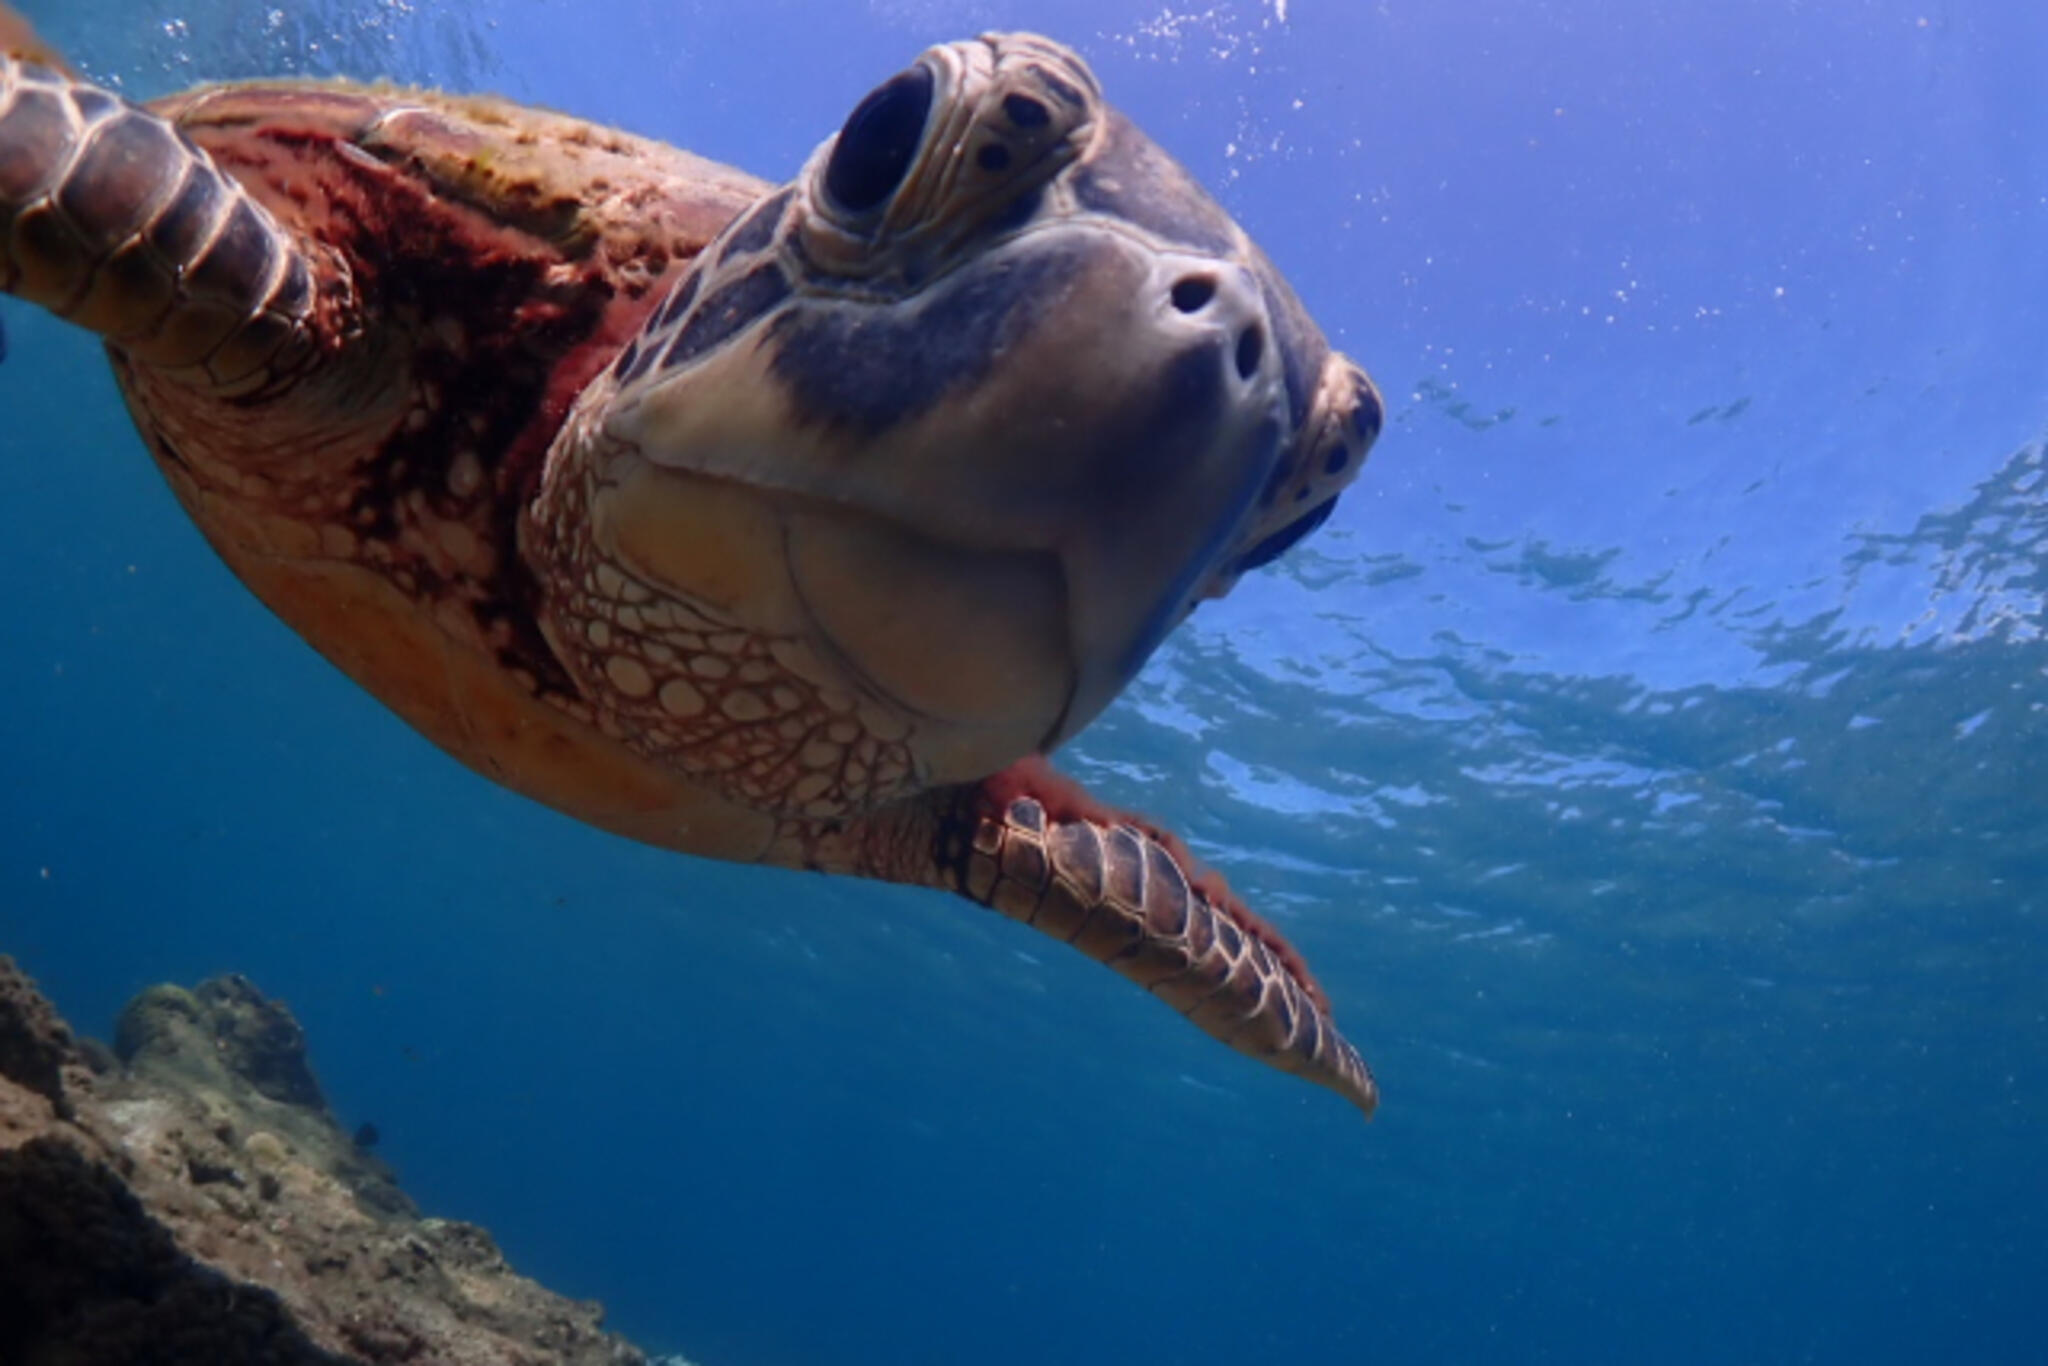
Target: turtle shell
481,262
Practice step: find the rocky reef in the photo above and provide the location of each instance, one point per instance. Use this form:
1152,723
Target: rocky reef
187,1196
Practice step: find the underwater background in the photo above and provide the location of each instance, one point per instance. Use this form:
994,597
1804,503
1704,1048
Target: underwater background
1651,756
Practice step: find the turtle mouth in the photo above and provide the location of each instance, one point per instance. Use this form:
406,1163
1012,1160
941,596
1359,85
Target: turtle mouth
1285,539
1303,490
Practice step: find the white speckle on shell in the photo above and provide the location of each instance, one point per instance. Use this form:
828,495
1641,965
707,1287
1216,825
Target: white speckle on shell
465,474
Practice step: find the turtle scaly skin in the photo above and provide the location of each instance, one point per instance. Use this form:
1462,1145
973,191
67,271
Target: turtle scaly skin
787,525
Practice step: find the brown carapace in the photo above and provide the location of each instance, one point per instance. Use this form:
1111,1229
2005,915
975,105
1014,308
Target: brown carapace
787,525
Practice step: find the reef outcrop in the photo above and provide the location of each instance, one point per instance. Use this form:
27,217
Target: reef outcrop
187,1196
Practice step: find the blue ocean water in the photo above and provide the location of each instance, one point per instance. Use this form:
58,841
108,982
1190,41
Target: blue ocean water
1649,755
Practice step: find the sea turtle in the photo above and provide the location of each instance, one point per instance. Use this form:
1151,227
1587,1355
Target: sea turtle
790,525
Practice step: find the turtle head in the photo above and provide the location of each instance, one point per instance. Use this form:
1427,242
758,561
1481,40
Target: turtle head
999,394
1009,133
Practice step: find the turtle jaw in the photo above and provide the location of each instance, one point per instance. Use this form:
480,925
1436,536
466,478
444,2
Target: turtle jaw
1327,453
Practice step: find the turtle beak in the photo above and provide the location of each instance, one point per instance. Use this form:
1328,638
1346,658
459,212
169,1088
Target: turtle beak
1301,495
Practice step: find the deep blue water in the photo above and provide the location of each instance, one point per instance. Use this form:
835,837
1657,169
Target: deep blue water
1649,755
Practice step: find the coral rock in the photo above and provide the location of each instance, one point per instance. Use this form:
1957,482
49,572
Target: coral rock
196,1201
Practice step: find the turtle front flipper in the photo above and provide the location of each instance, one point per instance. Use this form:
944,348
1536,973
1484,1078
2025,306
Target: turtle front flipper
1037,848
112,219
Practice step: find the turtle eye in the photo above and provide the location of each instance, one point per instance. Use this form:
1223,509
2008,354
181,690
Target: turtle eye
879,141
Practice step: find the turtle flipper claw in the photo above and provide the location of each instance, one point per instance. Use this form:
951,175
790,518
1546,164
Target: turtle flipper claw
112,219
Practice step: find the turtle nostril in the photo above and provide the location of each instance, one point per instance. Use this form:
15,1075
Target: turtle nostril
1191,293
1251,346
